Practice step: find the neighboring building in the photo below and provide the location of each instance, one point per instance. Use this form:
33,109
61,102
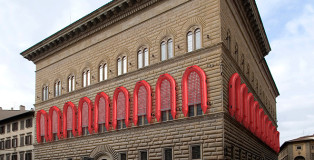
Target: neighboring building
149,79
16,134
301,148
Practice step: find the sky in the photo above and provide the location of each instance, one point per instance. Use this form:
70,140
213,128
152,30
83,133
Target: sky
288,24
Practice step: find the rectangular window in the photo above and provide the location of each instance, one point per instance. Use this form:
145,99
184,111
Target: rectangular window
102,128
21,155
167,154
195,110
8,144
14,126
195,152
14,157
8,128
69,134
299,147
21,140
166,116
28,140
8,156
121,124
2,144
28,156
142,120
14,142
29,123
22,124
122,156
2,129
143,155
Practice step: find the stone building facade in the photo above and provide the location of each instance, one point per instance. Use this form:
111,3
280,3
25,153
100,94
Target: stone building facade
16,134
177,54
301,148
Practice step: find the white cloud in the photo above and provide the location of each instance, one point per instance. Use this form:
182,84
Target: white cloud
23,24
291,63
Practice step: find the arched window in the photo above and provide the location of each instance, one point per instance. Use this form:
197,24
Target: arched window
121,108
165,98
142,103
125,62
42,126
86,78
69,120
71,83
194,91
45,93
102,112
85,116
166,49
58,88
54,123
103,72
122,65
194,39
142,58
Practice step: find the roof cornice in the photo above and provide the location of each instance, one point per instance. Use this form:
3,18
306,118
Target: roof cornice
253,16
101,18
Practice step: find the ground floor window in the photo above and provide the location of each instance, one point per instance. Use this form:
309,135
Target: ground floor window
143,155
102,128
28,156
121,124
195,110
14,157
142,120
122,156
69,134
166,116
167,154
85,131
195,152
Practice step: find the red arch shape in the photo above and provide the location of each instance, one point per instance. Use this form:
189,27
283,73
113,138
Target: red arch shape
234,84
273,133
264,122
96,111
173,98
242,94
203,83
90,115
127,106
254,115
59,122
259,131
249,101
38,116
135,101
65,111
277,148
